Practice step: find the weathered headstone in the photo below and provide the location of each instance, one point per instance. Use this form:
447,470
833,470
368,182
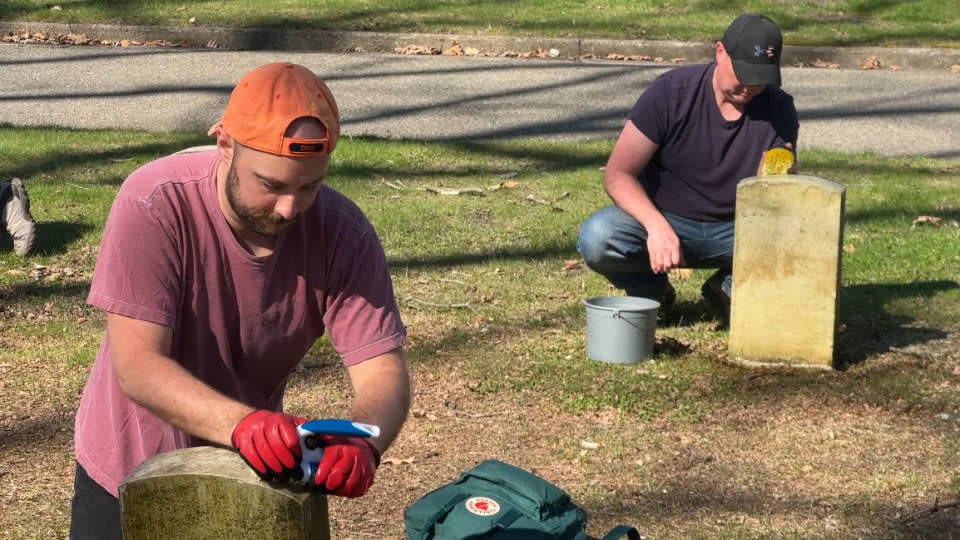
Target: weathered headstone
788,242
207,493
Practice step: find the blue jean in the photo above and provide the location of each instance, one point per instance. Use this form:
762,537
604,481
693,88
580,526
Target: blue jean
614,245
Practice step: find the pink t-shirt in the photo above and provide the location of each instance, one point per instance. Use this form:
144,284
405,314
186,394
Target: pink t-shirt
240,323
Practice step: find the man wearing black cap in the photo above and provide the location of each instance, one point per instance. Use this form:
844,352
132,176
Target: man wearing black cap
690,138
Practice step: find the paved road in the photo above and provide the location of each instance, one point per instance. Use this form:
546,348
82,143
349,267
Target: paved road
910,112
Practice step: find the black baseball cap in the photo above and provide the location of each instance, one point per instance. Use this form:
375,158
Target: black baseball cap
754,43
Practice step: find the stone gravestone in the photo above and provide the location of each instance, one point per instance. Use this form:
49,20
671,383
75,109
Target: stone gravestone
788,242
207,493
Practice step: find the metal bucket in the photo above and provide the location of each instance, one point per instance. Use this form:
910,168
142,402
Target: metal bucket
620,329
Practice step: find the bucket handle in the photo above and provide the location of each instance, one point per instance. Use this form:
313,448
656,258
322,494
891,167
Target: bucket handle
616,315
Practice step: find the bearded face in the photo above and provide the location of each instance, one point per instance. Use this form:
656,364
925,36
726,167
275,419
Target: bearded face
262,220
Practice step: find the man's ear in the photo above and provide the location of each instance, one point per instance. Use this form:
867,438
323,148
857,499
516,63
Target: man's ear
225,145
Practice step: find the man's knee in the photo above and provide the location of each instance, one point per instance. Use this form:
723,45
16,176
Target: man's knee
592,240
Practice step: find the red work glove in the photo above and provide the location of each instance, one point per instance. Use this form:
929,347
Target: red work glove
269,443
347,467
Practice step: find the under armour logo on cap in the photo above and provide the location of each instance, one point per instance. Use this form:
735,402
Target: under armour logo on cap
760,50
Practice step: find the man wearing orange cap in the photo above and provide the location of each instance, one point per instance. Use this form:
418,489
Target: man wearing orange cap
218,271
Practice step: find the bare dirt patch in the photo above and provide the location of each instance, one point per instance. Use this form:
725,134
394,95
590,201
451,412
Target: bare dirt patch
793,465
796,467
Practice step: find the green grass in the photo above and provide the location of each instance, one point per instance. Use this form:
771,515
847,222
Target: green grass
483,287
840,22
489,270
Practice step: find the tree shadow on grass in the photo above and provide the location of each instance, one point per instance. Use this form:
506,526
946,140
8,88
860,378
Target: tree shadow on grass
866,329
52,237
55,161
38,292
48,429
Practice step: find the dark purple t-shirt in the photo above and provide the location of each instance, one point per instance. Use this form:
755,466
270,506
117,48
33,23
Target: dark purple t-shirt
701,157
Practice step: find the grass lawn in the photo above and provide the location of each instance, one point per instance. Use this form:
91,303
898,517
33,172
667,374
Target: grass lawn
684,446
839,22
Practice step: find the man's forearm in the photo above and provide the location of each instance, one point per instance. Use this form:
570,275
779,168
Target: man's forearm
382,388
627,193
166,389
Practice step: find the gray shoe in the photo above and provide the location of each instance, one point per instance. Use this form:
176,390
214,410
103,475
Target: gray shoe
15,215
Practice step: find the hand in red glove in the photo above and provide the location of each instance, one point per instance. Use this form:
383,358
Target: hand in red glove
347,467
269,443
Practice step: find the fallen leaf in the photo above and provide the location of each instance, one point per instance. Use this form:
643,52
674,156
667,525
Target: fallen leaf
819,63
532,198
76,39
537,53
639,58
464,191
397,461
56,8
453,50
572,264
192,20
935,221
182,8
849,248
873,62
509,184
417,50
589,445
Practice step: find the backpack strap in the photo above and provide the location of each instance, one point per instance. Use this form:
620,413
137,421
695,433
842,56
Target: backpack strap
620,531
447,506
508,518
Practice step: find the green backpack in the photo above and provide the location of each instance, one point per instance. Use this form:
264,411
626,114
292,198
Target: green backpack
498,501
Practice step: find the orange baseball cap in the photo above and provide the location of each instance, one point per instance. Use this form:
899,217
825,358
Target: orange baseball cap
268,99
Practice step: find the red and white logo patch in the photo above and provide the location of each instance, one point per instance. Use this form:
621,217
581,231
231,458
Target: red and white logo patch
482,506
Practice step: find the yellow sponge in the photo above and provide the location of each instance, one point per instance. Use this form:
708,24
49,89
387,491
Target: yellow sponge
775,161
